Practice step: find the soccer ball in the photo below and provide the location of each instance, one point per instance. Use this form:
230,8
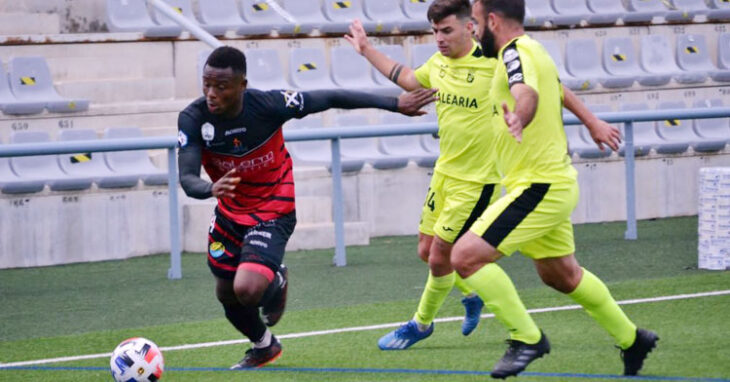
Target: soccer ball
137,359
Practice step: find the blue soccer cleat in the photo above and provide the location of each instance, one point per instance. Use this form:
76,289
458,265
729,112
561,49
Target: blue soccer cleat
403,337
473,306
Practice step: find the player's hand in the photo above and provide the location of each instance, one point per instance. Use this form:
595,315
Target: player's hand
411,103
225,185
514,123
603,133
357,37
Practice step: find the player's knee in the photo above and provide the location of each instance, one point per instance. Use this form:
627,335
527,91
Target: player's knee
248,294
423,252
226,296
459,257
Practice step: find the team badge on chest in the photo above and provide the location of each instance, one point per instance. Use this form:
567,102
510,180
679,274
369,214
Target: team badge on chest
207,131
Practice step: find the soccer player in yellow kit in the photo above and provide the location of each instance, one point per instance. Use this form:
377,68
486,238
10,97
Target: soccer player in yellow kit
465,180
542,191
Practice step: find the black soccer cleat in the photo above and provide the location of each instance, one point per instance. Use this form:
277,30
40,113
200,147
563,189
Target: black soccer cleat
518,356
635,355
273,309
256,358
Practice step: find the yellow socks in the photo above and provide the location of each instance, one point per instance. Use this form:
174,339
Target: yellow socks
437,288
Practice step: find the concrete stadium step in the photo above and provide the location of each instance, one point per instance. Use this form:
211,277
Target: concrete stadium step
112,90
26,23
322,235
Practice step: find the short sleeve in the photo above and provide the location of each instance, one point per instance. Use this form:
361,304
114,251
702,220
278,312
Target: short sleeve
423,73
283,104
520,66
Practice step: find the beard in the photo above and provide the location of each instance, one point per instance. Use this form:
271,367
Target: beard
489,45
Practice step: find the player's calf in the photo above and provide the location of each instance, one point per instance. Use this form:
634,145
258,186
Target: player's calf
273,306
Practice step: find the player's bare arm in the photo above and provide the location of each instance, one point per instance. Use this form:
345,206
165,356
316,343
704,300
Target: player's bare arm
410,103
400,74
526,100
601,132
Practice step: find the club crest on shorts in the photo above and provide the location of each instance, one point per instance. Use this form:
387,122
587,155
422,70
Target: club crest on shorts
207,131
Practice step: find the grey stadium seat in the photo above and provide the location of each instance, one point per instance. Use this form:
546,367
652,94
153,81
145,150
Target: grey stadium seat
570,12
605,11
693,58
218,16
582,61
10,183
645,136
723,59
308,14
385,14
44,167
643,11
30,80
340,15
134,162
686,10
91,164
677,133
132,16
265,71
308,69
719,10
430,142
656,57
11,105
415,12
317,152
396,53
261,19
420,53
405,145
350,70
366,148
619,57
714,133
566,78
577,145
538,12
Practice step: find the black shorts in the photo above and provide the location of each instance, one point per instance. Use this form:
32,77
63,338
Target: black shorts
230,244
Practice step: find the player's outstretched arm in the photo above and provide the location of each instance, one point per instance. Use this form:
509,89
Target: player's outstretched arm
409,103
601,132
400,74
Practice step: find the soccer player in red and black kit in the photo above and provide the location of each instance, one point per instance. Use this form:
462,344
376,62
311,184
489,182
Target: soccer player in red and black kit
235,133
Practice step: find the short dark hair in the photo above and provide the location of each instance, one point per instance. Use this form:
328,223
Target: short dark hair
511,9
441,9
227,57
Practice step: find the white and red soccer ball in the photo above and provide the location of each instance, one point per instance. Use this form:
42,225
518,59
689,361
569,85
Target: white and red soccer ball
137,359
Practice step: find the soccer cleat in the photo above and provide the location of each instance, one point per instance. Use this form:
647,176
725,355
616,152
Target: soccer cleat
256,358
403,337
473,306
518,356
272,311
635,355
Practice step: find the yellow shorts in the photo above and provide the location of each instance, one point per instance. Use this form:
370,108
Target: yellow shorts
533,219
452,205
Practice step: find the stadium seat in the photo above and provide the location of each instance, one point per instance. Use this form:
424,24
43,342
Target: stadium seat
686,10
645,136
30,80
91,164
366,148
566,78
420,53
340,15
643,11
677,133
619,57
723,59
605,11
405,145
133,162
657,59
714,133
396,53
538,12
9,104
319,152
265,71
415,12
385,14
10,183
261,19
308,69
582,61
44,167
570,12
352,71
219,16
719,10
132,16
183,7
693,58
580,141
430,142
308,15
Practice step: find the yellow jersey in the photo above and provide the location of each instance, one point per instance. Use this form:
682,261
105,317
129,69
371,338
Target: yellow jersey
542,157
463,106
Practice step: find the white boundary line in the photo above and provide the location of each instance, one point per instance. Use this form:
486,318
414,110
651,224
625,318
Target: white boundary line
361,328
